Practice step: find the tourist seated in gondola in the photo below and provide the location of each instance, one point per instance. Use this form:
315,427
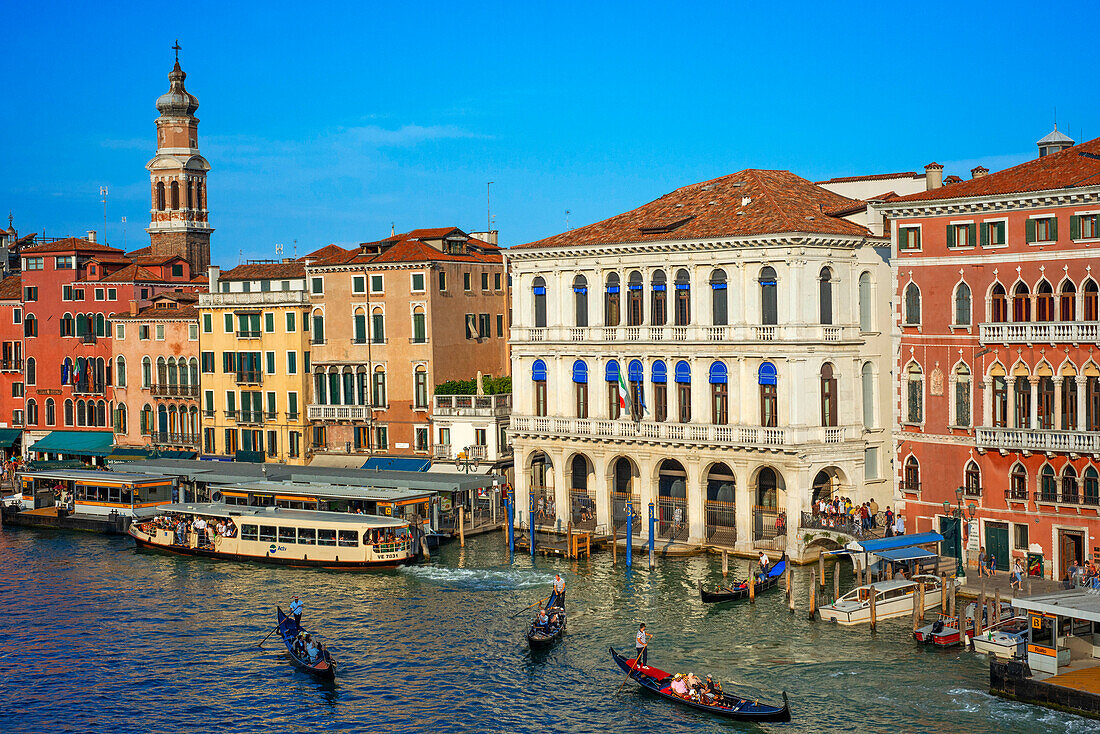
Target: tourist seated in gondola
299,648
542,620
712,690
311,648
679,686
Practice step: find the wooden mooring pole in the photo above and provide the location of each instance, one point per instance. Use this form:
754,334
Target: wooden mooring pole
951,597
979,610
836,580
821,568
997,602
569,536
916,609
790,595
813,594
462,526
725,562
752,589
943,593
920,592
874,614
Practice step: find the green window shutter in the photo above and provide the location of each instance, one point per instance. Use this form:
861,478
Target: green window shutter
985,234
917,239
1029,231
225,363
229,323
952,237
973,234
1074,227
1054,229
360,327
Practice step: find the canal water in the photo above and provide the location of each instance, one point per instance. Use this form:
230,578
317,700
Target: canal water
99,637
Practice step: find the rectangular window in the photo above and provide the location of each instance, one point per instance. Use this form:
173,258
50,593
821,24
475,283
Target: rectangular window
500,324
1019,536
660,402
33,263
292,363
30,293
228,323
272,407
64,262
231,443
870,462
120,331
17,389
66,293
496,281
291,327
208,400
442,281
1084,227
78,294
358,284
292,406
269,359
265,286
420,389
581,394
909,238
418,282
143,332
269,323
484,326
112,294
17,315
382,438
993,234
466,280
100,294
485,280
207,359
1044,229
376,283
960,235
207,323
420,438
318,285
160,332
192,332
295,448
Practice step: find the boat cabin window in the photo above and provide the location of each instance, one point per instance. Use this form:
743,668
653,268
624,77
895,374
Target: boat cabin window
895,593
307,536
267,533
114,494
326,536
262,500
127,496
231,500
248,532
349,539
864,594
288,535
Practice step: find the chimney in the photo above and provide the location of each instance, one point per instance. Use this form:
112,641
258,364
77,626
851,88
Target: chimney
978,171
133,308
91,235
215,273
933,176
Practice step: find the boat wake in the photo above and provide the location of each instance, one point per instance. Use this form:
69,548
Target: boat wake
478,578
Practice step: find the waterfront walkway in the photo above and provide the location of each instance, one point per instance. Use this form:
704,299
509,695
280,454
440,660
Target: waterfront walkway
1002,582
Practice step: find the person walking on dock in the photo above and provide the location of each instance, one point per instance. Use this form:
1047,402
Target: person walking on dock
296,610
641,645
982,566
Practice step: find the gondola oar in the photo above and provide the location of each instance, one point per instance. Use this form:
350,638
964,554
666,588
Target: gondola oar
635,666
269,634
521,611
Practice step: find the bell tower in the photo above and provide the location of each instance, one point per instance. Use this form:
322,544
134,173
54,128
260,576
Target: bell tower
177,177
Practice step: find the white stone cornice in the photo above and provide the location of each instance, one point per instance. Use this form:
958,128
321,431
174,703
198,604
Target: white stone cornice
994,203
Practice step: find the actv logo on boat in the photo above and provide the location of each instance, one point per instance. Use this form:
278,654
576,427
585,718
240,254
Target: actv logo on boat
272,548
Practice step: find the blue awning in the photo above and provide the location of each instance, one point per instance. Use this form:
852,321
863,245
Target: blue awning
538,371
580,372
660,372
660,287
683,372
718,374
767,374
8,436
611,371
634,371
397,463
540,290
898,541
912,553
76,443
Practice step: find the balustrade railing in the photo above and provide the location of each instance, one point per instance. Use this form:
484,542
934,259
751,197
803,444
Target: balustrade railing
1043,332
174,391
1033,439
692,333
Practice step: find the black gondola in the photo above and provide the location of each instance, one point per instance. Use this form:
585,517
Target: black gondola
324,668
741,591
539,636
727,706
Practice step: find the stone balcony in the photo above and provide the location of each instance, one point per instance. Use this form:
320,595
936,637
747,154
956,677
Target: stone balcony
254,298
701,434
473,406
1038,440
1044,332
700,334
353,413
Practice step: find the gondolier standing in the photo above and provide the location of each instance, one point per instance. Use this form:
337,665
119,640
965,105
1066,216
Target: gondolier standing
296,610
559,589
641,645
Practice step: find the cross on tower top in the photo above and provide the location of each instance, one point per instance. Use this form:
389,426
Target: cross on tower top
176,47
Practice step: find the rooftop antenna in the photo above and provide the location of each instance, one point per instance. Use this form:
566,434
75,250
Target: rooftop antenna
278,250
567,213
123,233
393,229
295,249
488,209
240,256
103,194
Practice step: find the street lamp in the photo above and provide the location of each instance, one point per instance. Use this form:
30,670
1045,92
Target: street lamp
960,513
465,462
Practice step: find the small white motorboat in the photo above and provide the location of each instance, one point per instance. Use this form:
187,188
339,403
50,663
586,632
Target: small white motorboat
1006,640
892,599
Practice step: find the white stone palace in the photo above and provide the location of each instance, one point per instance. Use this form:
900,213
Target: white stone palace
746,321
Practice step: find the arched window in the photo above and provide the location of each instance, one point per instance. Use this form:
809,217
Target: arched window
30,325
659,377
188,194
146,372
1092,403
378,326
1021,303
914,412
81,413
68,412
866,305
972,479
998,304
867,382
1022,394
1090,300
378,397
611,300
912,305
635,377
420,388
962,305
538,377
146,419
1067,302
318,326
51,412
1069,485
173,372
580,300
635,311
359,326
1048,484
828,396
120,418
30,374
101,414
320,388
912,475
825,295
962,396
1017,483
162,371
1092,487
682,316
616,401
100,325
769,297
719,393
175,188
1044,302
768,379
32,412
1000,397
420,325
160,196
580,387
658,314
538,288
1045,401
683,390
718,296
120,371
334,387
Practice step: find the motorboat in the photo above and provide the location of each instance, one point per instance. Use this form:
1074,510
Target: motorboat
892,599
1006,640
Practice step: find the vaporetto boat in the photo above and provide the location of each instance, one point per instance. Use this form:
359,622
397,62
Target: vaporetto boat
276,535
892,599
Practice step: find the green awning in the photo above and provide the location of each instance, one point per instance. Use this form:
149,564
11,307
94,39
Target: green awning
129,453
8,437
255,457
76,443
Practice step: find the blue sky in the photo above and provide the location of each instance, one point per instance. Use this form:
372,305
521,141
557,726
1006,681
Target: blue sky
325,123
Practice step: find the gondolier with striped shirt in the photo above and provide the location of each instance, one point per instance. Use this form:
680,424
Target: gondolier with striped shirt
641,645
296,610
559,589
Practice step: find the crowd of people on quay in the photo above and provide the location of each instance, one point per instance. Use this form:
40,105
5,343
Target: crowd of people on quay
1087,575
838,512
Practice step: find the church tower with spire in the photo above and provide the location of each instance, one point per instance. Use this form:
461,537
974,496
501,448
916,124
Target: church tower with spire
177,177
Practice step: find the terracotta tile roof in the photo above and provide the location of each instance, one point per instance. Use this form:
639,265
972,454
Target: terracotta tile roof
413,250
11,288
266,271
151,313
204,279
434,233
875,177
72,243
778,201
148,250
155,259
328,252
857,205
132,274
1066,169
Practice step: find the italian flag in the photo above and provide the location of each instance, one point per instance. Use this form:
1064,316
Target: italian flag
624,393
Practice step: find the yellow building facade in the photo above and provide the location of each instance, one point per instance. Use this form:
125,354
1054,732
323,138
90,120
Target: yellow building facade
254,347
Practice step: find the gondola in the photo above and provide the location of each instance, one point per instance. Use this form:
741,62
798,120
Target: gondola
658,682
539,638
325,668
741,591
